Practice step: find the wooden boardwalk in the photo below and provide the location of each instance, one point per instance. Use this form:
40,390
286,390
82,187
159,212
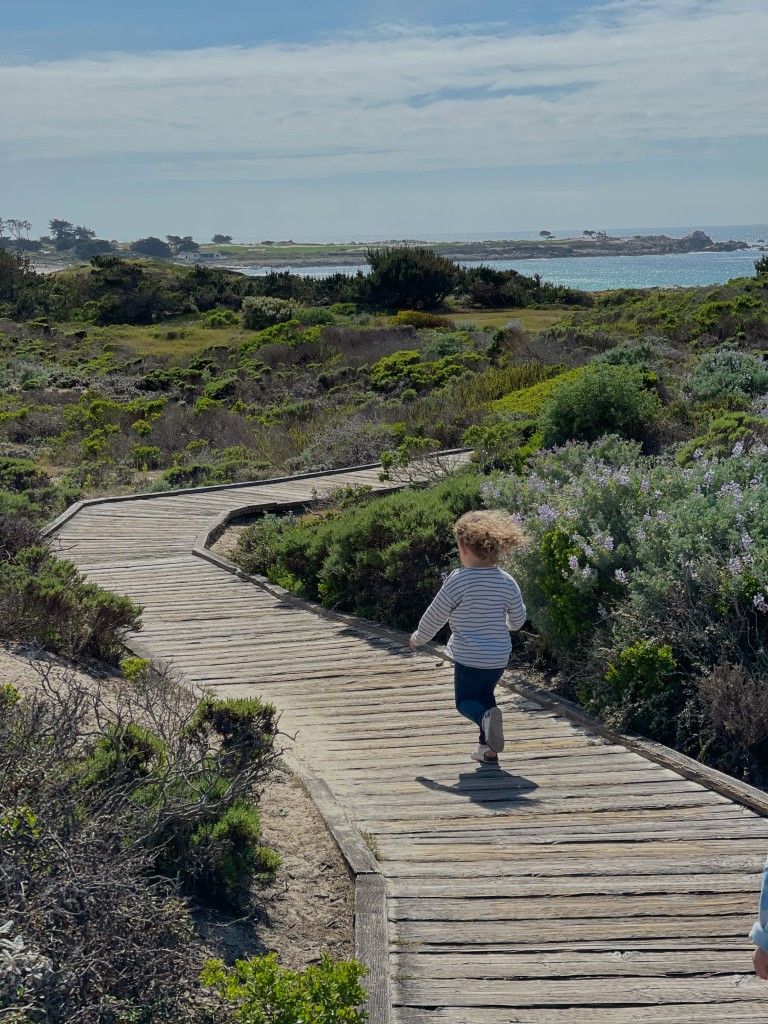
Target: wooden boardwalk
579,882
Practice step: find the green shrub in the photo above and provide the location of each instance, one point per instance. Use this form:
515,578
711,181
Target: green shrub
224,856
314,316
409,369
382,560
724,433
287,332
260,312
124,755
641,670
220,319
528,401
640,691
419,319
500,445
603,399
47,602
94,807
717,318
265,993
643,354
146,456
445,344
243,726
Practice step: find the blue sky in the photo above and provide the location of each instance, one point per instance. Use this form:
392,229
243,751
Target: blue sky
421,117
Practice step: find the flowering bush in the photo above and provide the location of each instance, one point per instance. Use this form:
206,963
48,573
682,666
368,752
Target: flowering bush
264,311
575,506
727,374
630,553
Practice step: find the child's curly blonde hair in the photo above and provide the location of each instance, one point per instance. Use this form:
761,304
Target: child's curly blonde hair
488,535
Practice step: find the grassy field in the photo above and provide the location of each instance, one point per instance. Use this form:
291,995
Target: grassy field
286,251
184,336
530,319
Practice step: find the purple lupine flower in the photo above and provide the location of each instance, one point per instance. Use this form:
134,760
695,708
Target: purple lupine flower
645,486
547,514
573,562
602,612
620,576
735,566
586,572
738,450
760,603
608,544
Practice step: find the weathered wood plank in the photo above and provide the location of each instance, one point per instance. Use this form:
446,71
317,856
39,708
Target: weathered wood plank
721,990
632,963
669,1013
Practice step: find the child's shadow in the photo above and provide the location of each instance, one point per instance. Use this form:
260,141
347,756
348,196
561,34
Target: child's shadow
489,786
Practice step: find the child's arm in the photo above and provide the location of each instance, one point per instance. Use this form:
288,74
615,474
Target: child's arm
516,613
436,616
759,933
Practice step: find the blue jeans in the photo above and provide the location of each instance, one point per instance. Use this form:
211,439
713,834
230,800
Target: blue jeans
474,691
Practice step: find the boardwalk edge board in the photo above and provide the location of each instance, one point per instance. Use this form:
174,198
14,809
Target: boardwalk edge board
371,941
740,792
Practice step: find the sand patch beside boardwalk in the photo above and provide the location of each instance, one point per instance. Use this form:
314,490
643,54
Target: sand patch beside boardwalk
308,910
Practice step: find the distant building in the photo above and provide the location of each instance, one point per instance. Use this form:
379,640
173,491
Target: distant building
199,257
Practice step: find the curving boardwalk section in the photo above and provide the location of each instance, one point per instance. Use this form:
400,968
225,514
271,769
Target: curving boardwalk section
579,882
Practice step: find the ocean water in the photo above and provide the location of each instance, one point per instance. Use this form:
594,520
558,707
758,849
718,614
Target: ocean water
599,273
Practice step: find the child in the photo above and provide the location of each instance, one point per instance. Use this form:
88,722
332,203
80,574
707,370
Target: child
482,603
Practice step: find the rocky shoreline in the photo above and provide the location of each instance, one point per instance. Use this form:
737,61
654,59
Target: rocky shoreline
283,255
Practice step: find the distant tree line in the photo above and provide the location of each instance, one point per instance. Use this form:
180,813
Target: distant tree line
82,241
120,290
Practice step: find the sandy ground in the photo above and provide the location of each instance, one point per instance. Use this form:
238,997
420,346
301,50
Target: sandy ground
227,542
308,910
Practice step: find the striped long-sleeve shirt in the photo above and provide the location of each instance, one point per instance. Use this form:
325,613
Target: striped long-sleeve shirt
759,933
481,605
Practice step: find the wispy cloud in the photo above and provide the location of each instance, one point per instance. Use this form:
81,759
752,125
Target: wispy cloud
629,77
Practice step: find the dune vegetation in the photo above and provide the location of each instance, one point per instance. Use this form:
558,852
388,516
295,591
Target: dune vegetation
627,431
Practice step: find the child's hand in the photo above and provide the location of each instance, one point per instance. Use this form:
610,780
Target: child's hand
411,643
760,960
